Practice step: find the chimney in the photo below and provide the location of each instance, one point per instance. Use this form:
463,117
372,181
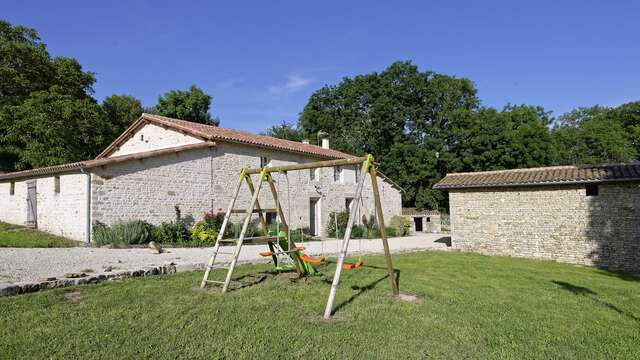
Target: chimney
325,143
305,141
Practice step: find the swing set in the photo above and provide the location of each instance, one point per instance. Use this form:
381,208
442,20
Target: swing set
279,241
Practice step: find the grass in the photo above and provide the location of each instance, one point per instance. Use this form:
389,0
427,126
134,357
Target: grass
20,236
471,306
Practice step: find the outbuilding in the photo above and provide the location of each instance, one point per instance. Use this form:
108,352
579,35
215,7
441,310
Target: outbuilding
159,163
586,214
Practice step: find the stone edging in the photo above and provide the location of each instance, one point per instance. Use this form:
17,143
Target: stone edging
8,289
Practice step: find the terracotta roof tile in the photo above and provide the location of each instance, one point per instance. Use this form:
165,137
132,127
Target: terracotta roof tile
543,176
229,135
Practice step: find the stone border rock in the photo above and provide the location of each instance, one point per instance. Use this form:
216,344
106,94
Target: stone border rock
8,289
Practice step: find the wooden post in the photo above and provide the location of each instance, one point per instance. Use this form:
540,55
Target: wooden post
345,242
283,222
310,165
383,233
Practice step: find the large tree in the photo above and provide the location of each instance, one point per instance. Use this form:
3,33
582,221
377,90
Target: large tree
192,105
285,130
47,112
121,111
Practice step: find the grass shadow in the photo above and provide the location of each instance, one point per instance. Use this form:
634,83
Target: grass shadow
583,291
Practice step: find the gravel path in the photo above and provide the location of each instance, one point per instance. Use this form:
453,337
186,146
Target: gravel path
33,264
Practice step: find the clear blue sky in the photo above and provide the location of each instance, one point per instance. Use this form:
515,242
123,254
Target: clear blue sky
261,60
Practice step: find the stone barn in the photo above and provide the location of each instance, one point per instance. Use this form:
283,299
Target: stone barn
159,163
423,220
588,214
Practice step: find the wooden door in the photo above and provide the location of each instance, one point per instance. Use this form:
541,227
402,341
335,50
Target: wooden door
32,204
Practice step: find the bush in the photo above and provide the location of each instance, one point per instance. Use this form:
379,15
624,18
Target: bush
300,235
234,230
203,234
357,232
343,218
391,231
371,233
169,233
401,225
131,232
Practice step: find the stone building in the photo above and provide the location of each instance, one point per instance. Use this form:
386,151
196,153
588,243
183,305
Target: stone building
587,214
423,220
159,163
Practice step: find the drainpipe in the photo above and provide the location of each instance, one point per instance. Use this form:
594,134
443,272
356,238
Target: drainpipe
87,228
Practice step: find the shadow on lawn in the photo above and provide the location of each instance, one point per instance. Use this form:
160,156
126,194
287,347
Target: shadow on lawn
586,292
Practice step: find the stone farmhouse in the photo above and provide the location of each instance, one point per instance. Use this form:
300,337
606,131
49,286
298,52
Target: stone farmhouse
159,163
587,215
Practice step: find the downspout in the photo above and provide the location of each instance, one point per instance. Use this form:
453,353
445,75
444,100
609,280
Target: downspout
87,229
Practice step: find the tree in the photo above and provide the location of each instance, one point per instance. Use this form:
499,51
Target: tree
56,128
121,111
285,130
192,105
599,134
47,114
400,115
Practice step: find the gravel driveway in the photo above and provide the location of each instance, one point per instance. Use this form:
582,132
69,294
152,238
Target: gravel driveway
32,264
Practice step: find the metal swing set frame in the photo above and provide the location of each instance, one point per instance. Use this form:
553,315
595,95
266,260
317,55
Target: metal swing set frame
282,245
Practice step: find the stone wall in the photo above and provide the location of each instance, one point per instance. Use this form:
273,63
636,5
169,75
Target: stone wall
557,223
153,137
200,180
60,213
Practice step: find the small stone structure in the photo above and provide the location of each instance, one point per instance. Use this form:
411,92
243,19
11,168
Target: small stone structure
423,220
159,163
588,215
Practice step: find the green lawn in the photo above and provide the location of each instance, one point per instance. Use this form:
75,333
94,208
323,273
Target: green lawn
472,307
20,236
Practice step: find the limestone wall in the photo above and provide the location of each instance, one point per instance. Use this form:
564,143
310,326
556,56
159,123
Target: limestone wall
60,213
200,180
556,223
153,137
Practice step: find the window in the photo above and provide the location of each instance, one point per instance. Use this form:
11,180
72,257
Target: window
264,161
56,184
592,190
314,174
141,137
337,174
428,219
12,188
270,217
347,203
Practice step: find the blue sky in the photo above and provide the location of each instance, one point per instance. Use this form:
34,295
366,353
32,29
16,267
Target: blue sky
261,60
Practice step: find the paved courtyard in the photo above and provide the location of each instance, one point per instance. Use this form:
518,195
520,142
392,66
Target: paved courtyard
32,264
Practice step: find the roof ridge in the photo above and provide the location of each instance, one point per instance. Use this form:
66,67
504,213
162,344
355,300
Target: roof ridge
544,168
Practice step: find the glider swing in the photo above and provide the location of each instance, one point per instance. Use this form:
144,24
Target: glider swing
279,242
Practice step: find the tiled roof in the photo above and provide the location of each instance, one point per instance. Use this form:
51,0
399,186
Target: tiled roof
87,164
216,133
555,175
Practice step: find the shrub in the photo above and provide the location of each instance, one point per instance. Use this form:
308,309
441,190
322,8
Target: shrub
401,225
214,218
203,234
371,233
391,231
342,219
169,233
254,229
300,235
357,232
131,232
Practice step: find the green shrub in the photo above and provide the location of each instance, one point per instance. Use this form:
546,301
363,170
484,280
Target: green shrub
391,231
300,235
203,234
401,225
342,220
254,229
169,233
131,232
357,232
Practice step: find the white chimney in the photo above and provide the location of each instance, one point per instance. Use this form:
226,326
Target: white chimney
325,143
305,141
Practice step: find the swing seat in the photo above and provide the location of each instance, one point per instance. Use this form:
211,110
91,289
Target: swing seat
293,249
311,260
348,266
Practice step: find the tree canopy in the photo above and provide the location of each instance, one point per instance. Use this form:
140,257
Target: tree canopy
421,125
192,105
48,114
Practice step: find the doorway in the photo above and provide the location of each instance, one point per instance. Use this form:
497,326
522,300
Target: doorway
32,204
314,216
418,223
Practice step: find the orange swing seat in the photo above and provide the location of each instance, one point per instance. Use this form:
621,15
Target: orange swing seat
348,266
311,260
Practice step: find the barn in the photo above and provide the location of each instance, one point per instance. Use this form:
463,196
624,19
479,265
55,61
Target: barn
588,214
159,163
